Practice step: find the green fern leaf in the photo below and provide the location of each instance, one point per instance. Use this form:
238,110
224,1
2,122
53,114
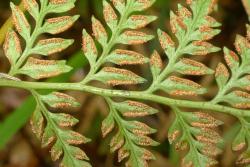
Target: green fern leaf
139,21
12,47
20,22
110,15
156,65
33,8
121,26
179,86
238,65
131,37
190,67
115,76
18,56
124,25
53,129
142,5
131,135
192,29
126,57
56,132
56,6
99,31
50,46
38,69
59,24
221,75
59,100
196,132
89,48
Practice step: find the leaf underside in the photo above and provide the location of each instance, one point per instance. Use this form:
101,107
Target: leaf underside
192,28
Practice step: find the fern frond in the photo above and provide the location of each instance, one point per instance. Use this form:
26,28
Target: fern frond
192,29
56,133
233,82
195,132
20,58
130,135
237,76
124,22
124,25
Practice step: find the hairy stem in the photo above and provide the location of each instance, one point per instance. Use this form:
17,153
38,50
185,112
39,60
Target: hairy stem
125,94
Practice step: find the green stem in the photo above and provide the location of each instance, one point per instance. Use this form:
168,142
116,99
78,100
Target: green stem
125,94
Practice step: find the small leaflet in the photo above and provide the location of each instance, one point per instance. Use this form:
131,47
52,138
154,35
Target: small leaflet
131,37
12,47
39,69
156,64
139,21
59,100
99,31
33,8
221,75
115,76
126,57
51,46
60,6
20,22
57,25
89,47
191,67
109,15
181,87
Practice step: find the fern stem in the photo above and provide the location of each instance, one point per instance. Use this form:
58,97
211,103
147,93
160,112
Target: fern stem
125,94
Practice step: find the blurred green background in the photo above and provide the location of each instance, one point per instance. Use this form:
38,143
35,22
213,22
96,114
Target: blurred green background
20,148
